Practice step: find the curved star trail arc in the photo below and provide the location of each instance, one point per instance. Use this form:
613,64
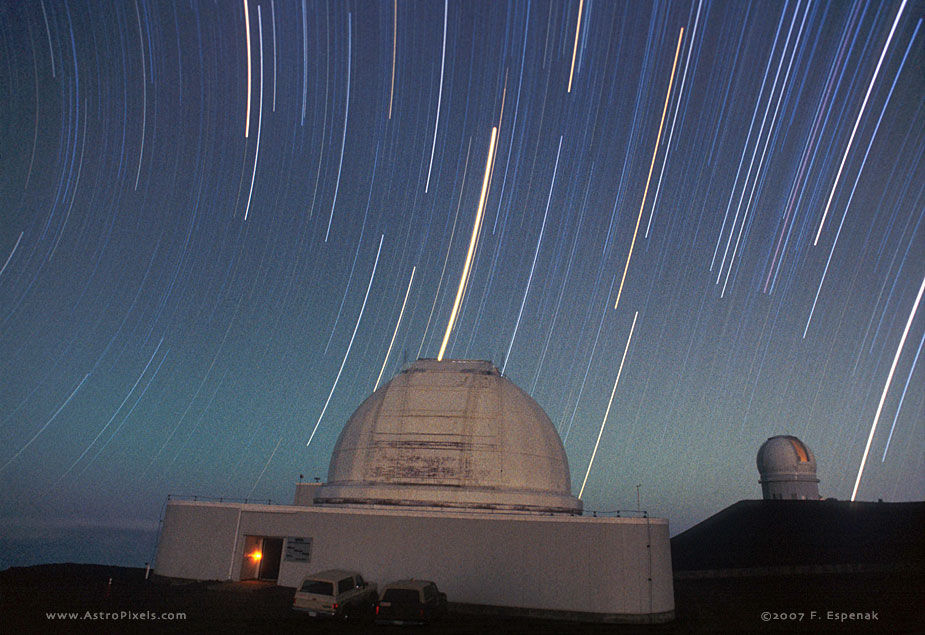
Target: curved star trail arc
177,316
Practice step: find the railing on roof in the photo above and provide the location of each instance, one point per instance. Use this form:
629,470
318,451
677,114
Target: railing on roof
594,513
616,513
221,499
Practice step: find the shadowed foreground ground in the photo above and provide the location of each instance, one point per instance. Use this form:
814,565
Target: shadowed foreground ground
728,605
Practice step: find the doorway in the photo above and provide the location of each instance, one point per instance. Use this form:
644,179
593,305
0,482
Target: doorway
269,563
262,555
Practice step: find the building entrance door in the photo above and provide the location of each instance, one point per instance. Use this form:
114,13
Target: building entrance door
269,563
262,555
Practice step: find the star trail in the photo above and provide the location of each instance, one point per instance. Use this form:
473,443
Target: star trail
183,306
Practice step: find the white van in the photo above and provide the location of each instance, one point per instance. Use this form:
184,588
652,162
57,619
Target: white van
335,593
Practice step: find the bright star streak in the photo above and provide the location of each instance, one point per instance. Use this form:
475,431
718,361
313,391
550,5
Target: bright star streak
507,164
80,164
355,328
491,171
581,388
356,254
125,418
748,205
870,144
581,5
651,166
189,406
144,93
886,387
748,136
394,47
47,423
857,123
112,418
536,252
259,116
247,30
35,136
439,97
810,150
324,130
395,332
10,257
476,226
674,119
903,397
273,20
304,61
267,464
51,51
198,421
343,140
449,247
609,403
564,284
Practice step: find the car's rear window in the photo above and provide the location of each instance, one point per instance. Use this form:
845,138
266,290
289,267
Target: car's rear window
401,596
318,587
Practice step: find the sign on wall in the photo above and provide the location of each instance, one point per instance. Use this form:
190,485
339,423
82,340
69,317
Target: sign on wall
298,549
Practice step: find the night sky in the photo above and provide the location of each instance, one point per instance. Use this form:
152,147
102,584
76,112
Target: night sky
210,214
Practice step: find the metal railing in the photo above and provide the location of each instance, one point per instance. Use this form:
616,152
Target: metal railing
594,513
616,513
221,499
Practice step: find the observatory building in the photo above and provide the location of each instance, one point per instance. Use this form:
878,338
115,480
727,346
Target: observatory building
451,473
788,470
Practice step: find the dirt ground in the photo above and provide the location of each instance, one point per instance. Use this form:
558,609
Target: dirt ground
69,598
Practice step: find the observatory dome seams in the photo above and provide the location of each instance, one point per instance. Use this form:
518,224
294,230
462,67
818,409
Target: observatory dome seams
450,434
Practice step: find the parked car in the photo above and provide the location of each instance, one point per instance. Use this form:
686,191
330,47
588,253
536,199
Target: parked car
410,602
335,593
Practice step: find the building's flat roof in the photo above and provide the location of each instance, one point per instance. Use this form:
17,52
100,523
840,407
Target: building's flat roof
420,513
796,533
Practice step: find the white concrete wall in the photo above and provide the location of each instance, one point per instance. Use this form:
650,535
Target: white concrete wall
197,541
305,494
789,487
558,563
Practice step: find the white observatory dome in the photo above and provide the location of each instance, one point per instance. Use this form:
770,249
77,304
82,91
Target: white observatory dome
450,434
788,469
